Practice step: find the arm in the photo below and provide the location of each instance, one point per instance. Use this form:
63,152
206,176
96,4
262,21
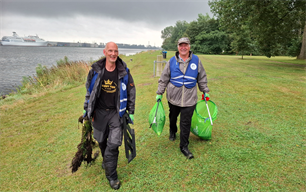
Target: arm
131,91
87,85
164,79
202,78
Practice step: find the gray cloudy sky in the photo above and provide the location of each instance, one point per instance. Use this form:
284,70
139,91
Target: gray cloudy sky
121,21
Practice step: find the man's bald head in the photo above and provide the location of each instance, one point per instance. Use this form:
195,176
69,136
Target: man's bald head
111,52
110,44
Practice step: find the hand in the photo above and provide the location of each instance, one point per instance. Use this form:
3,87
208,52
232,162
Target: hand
159,97
84,113
206,96
131,117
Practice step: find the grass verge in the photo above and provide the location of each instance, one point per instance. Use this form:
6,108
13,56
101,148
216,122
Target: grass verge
258,140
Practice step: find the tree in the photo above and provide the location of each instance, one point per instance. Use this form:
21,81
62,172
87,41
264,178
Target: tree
272,22
192,31
166,35
179,31
203,23
302,54
167,32
168,45
294,47
172,34
241,41
206,37
214,42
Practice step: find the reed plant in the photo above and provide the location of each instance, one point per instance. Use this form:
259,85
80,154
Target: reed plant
64,73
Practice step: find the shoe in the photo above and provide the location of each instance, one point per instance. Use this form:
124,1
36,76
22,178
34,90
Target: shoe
103,165
115,184
172,136
187,153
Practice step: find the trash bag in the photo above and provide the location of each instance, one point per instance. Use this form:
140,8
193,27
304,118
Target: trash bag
157,118
200,123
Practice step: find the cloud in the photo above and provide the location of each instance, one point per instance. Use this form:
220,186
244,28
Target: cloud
129,21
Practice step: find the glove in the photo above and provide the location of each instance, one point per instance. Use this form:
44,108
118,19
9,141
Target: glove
84,113
206,96
82,116
159,97
131,117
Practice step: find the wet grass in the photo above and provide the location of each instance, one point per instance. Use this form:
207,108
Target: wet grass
258,140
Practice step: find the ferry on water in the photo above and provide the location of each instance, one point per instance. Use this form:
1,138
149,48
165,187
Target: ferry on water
30,40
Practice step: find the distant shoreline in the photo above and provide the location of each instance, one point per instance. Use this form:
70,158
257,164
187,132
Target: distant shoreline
146,48
89,45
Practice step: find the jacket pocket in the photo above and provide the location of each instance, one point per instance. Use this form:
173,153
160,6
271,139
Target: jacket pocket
174,94
170,91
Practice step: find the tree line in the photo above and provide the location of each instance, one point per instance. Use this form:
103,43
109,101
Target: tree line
259,27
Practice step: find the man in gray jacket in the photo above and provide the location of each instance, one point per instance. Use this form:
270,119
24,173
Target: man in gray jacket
110,94
180,76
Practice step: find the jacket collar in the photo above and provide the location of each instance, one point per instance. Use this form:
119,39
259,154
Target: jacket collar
120,64
177,55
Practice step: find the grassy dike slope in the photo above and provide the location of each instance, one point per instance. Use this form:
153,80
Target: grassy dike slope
258,140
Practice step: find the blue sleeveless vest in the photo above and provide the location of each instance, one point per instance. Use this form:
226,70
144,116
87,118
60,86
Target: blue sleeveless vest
123,91
178,79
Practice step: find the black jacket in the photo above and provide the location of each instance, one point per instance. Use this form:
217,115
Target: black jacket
90,98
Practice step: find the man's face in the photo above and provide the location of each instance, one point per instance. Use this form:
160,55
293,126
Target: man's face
111,52
183,49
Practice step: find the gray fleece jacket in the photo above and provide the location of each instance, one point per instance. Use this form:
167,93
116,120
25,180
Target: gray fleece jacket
182,96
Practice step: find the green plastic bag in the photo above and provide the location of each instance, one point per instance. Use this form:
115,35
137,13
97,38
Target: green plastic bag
200,123
157,118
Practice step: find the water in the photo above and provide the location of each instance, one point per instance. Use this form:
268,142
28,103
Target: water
16,62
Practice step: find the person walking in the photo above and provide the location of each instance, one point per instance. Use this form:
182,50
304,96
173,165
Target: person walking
180,76
110,94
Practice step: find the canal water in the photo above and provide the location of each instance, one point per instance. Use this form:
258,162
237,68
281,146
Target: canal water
16,62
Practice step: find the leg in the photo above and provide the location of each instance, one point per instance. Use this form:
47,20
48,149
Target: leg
101,130
112,149
185,123
103,144
174,111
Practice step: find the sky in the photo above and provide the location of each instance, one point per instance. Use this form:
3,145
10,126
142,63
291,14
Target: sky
97,21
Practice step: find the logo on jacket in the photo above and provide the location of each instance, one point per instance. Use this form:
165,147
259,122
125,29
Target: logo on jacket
123,86
193,66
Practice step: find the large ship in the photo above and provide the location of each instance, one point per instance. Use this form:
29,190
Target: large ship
30,40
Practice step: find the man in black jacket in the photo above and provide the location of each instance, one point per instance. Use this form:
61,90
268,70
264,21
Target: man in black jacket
110,94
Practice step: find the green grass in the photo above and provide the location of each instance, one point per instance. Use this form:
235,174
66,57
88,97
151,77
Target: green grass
258,140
